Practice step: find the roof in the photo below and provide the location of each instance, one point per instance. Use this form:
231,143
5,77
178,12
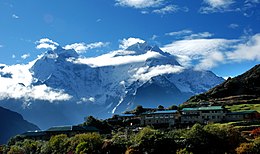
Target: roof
162,112
59,128
71,128
242,112
203,108
34,133
126,115
90,128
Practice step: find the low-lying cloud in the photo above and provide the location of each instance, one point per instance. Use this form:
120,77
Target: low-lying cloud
111,59
19,85
146,73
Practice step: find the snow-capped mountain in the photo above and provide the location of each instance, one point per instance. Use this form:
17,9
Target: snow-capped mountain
104,85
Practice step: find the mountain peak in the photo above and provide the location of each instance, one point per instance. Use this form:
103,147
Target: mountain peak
63,53
141,48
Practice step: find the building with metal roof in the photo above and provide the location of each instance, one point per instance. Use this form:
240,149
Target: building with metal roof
164,117
242,115
203,114
69,130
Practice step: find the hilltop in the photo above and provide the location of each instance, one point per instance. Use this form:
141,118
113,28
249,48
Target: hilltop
243,89
12,124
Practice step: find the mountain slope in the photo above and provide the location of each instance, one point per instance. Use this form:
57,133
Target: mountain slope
243,88
103,85
12,124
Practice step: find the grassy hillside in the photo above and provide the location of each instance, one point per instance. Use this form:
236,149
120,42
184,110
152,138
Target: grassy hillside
243,89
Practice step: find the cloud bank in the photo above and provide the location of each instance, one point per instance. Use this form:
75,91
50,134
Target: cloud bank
139,3
211,6
116,58
18,85
125,43
146,73
152,6
82,47
208,53
46,43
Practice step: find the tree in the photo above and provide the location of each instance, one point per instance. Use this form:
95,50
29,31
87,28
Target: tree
58,144
118,144
103,126
14,149
153,141
85,143
160,107
197,139
29,146
224,138
173,107
139,109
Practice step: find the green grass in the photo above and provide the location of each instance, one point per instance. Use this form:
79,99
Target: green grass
244,107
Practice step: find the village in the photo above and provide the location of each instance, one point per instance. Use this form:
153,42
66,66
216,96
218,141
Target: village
158,118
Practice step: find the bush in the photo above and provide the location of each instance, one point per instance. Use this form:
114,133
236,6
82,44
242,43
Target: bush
151,141
245,148
81,143
57,144
14,149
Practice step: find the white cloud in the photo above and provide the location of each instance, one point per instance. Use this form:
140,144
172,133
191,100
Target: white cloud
145,12
154,37
97,45
139,4
208,53
25,56
210,60
125,43
233,26
86,100
188,34
247,51
19,86
78,47
248,8
217,6
199,35
82,47
13,56
113,58
179,33
15,16
201,50
46,43
146,73
170,9
40,92
197,47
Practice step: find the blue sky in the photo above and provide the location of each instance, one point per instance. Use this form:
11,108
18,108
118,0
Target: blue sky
219,35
